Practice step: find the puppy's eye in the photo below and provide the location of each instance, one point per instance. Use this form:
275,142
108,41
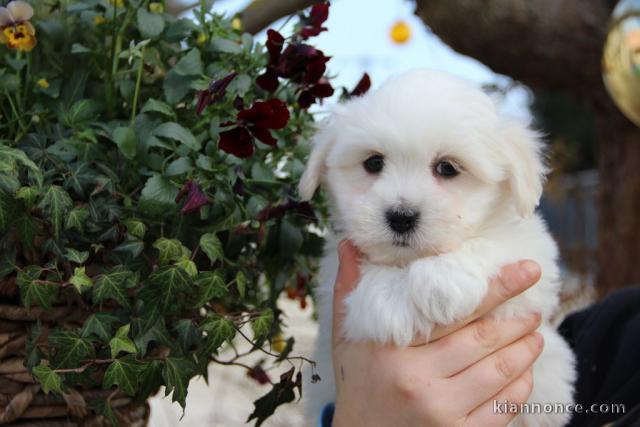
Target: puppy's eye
374,164
446,169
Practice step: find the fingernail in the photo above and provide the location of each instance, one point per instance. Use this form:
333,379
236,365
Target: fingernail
530,268
538,338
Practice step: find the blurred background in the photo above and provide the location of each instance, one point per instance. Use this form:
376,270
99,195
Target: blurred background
541,59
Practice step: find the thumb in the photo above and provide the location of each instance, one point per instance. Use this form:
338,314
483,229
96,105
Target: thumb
346,281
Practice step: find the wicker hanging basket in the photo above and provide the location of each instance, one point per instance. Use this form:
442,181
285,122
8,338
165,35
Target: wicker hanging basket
22,402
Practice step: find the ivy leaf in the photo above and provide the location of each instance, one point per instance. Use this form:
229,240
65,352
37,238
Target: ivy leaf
113,286
135,227
49,379
76,219
169,249
103,407
211,286
7,262
178,133
35,291
20,157
150,328
56,203
27,229
150,24
262,324
99,325
70,349
211,245
164,287
187,265
126,140
6,210
79,257
123,373
130,248
122,342
241,283
80,280
218,330
176,374
281,393
28,195
187,334
150,379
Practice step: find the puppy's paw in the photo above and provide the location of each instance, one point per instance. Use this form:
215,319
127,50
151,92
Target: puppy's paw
380,309
446,288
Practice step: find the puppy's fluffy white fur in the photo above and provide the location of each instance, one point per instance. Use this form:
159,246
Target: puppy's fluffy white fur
469,225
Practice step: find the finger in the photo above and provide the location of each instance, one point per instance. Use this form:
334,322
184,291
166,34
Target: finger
512,280
479,339
346,281
479,382
499,411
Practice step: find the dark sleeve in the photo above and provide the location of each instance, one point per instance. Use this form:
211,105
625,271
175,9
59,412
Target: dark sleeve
606,340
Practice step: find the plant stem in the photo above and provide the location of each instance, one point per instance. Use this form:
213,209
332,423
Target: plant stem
203,19
15,112
137,91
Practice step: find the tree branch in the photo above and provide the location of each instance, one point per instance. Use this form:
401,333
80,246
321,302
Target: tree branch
543,43
260,14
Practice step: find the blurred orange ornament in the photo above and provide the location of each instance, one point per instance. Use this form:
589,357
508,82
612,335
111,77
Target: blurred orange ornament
400,32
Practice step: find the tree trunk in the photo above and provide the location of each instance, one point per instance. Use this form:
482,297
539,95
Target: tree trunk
619,202
557,44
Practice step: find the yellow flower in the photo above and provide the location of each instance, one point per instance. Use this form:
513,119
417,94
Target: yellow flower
156,7
43,83
202,38
99,20
117,3
400,32
236,24
15,29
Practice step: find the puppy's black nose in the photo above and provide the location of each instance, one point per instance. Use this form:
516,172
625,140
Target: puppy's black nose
402,221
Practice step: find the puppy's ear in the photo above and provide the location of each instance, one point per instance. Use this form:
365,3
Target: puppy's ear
525,166
316,165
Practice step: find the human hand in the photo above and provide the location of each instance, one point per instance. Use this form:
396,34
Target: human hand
452,380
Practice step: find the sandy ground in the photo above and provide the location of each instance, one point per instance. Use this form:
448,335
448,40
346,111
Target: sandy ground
228,399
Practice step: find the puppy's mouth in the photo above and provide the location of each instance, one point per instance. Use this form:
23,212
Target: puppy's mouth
402,241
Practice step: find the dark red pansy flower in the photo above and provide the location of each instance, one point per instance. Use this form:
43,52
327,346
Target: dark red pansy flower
312,26
308,96
271,114
214,93
254,122
268,80
362,87
195,197
259,374
275,42
294,61
305,99
237,141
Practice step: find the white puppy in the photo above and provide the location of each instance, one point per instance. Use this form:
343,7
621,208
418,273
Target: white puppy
438,191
